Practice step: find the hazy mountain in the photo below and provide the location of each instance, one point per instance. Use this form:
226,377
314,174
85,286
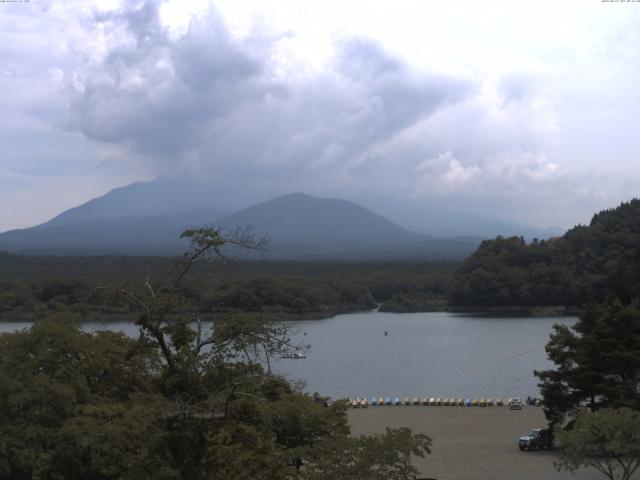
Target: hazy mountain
126,220
161,197
135,235
302,226
298,217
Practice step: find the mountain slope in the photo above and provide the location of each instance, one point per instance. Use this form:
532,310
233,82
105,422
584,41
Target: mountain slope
132,235
160,197
298,217
148,219
585,265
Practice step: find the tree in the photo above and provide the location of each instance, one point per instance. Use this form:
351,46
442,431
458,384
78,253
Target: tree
607,440
377,457
176,403
597,361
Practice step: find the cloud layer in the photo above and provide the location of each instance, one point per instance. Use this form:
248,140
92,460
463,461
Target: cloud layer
139,95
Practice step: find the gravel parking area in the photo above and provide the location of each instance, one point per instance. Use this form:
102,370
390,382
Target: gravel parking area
470,443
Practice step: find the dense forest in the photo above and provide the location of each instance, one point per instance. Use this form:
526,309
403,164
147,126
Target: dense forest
33,286
585,265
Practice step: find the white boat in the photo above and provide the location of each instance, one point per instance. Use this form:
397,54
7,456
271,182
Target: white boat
294,355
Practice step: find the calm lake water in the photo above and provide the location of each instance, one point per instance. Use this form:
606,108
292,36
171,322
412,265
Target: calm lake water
424,354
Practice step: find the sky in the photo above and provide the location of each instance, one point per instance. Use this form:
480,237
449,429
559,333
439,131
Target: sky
521,111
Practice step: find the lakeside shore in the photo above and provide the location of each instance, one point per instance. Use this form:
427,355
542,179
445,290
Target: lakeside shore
470,443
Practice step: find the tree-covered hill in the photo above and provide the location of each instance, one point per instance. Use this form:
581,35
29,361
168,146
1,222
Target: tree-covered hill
585,265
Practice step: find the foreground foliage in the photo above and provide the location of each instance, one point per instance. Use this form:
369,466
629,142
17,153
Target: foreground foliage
607,440
177,402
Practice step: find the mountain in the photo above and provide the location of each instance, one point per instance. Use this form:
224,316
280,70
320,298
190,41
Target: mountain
162,197
302,218
132,235
302,226
298,227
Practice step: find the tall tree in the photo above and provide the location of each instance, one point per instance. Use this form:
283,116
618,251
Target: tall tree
597,360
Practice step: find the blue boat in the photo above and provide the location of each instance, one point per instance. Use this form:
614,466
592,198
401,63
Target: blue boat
388,401
374,401
467,402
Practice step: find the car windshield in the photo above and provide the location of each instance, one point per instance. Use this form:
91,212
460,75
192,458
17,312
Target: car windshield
532,433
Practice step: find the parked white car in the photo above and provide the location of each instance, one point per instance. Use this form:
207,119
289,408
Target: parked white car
515,404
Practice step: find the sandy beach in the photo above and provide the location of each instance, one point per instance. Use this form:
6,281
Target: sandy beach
470,443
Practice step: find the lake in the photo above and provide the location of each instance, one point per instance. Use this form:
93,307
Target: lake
424,354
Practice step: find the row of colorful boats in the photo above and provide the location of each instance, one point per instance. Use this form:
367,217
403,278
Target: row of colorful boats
449,402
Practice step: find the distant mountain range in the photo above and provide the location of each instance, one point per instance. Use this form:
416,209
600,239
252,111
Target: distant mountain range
147,218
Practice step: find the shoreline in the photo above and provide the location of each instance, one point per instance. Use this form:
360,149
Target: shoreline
529,312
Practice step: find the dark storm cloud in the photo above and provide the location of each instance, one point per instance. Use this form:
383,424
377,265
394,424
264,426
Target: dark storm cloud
156,95
211,97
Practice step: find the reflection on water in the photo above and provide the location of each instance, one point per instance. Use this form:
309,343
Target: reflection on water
423,354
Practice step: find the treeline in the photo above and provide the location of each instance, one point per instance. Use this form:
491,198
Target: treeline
585,265
34,286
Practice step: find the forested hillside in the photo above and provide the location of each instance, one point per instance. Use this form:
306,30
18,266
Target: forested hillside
585,265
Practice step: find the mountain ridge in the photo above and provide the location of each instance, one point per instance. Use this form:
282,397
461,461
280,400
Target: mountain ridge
298,225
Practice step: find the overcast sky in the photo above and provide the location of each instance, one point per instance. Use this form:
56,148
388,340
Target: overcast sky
525,111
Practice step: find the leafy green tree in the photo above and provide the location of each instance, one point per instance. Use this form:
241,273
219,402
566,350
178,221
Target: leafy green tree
378,457
607,440
597,360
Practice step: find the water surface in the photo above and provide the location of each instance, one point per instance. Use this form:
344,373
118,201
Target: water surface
424,354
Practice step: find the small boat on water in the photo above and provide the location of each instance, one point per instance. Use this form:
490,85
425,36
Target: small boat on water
294,355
